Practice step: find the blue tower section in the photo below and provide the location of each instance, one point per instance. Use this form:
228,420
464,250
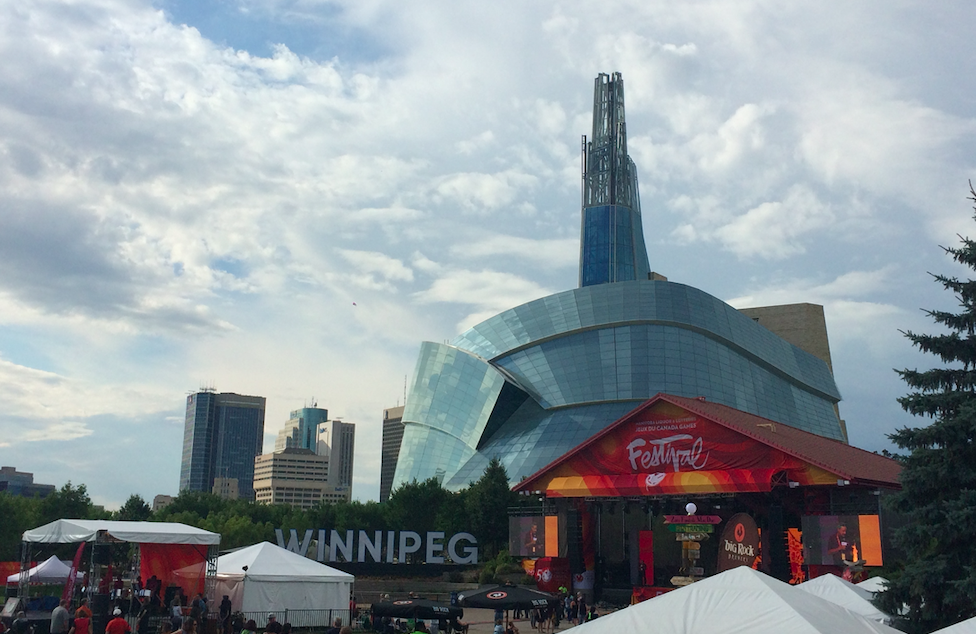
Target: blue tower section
612,238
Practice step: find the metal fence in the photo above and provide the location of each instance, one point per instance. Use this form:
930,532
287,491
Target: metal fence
301,619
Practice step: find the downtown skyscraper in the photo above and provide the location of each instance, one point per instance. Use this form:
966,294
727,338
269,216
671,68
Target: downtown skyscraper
222,435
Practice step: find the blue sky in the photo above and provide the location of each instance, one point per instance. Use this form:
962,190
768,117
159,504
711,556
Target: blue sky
197,193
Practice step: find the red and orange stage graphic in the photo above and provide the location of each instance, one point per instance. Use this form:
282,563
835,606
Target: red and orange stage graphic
674,447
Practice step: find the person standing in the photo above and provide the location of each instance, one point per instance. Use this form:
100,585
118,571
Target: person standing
273,627
59,618
117,625
838,546
142,619
225,611
82,624
21,625
83,610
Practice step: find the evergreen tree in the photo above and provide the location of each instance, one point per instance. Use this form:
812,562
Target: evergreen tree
938,495
134,509
487,502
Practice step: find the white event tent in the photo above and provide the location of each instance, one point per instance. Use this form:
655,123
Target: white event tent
52,570
267,578
845,594
74,531
737,601
874,584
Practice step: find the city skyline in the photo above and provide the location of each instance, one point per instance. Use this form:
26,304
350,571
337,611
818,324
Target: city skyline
286,199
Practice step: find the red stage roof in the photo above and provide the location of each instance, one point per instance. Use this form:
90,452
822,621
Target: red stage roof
654,450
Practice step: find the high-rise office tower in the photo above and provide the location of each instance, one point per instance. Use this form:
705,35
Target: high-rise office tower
612,238
222,435
302,429
337,442
392,434
295,476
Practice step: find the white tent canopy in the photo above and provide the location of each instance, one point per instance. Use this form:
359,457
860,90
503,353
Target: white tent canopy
277,579
74,531
53,570
845,594
962,627
737,601
874,584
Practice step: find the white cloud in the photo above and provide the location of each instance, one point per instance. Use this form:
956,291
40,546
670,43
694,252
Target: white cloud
563,252
179,209
490,292
482,192
377,270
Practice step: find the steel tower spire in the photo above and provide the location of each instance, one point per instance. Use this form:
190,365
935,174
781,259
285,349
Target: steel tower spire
611,237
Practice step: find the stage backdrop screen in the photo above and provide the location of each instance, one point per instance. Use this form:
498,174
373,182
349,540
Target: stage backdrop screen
829,540
527,536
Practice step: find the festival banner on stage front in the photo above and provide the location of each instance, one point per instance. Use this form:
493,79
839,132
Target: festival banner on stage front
666,449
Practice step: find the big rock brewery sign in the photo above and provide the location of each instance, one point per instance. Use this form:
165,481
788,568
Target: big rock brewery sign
383,546
739,544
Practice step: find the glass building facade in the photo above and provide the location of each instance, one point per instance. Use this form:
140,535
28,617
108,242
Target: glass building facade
222,435
535,381
301,430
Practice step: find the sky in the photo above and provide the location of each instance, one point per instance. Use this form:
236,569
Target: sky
285,197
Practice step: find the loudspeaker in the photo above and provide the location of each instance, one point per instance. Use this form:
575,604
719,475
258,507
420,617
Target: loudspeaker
99,608
99,604
101,554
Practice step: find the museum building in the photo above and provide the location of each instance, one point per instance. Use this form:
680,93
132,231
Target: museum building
542,385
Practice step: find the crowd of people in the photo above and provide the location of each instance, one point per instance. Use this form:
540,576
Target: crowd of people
571,608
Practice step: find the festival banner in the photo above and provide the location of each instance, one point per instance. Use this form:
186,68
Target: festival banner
665,449
69,585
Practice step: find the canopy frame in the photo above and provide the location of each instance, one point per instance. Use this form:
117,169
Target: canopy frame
101,533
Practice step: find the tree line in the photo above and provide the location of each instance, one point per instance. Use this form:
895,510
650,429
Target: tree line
480,509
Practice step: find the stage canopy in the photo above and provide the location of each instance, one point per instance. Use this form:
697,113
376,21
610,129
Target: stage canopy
163,547
672,445
74,531
845,594
51,571
737,601
874,584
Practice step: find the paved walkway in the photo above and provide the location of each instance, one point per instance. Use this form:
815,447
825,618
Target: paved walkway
481,622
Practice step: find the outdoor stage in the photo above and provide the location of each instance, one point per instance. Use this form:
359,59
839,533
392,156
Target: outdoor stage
759,488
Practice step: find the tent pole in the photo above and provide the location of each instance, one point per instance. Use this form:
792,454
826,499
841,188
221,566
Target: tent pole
24,582
210,580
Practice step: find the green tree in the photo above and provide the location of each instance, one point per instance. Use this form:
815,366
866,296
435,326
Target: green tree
135,509
415,506
196,503
68,502
18,515
938,495
487,503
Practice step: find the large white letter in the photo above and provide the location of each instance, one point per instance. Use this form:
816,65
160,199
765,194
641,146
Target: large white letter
470,552
293,544
435,543
344,547
634,453
412,548
374,546
389,546
320,555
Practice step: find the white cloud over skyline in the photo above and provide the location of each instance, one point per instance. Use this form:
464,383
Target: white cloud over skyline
199,194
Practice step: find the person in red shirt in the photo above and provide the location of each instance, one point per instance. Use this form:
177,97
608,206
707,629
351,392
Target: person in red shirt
118,625
83,610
